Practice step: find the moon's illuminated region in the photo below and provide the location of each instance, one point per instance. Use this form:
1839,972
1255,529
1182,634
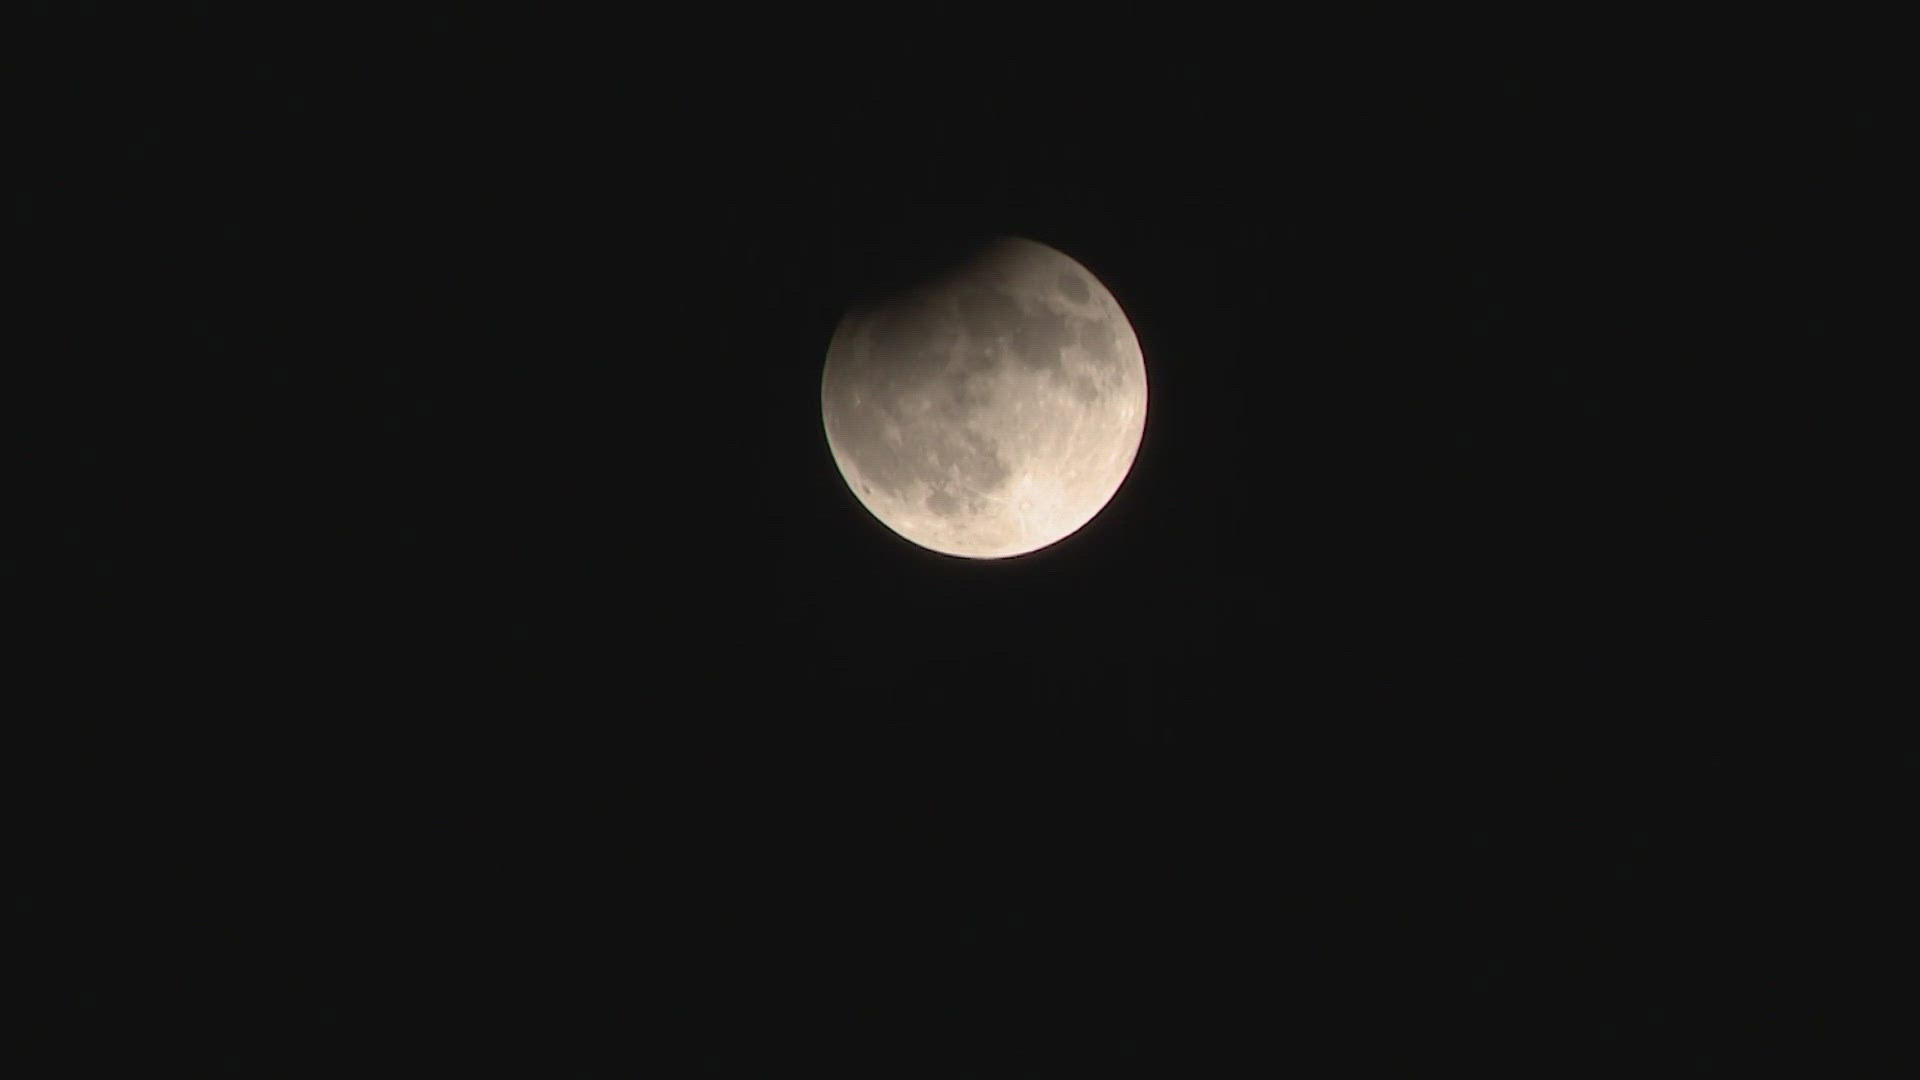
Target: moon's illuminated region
992,410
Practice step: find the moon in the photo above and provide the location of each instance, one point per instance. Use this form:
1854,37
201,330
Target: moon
991,409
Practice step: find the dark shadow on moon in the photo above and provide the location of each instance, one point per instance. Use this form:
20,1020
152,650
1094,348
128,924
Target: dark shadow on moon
903,270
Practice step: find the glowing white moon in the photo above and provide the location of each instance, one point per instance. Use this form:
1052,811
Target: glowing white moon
991,411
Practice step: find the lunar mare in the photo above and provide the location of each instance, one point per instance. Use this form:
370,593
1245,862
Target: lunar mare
991,411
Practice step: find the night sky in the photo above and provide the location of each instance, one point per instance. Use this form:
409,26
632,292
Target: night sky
471,658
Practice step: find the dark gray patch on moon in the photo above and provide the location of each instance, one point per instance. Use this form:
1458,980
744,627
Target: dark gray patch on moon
1039,337
988,313
1073,288
1096,337
997,323
908,341
898,447
1083,390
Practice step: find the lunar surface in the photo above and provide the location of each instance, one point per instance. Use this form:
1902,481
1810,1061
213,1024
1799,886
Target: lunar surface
990,410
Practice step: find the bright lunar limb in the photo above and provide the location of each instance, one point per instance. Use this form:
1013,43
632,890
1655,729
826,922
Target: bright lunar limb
989,411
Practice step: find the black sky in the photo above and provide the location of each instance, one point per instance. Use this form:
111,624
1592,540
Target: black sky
471,656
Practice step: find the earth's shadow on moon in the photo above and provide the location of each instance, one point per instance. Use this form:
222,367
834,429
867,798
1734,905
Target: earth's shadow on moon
889,271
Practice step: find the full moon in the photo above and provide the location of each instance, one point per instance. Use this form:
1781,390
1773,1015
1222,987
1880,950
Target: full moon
990,410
